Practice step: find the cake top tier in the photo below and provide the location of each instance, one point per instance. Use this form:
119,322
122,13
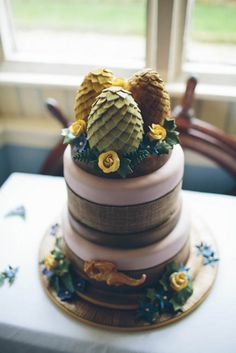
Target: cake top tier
122,127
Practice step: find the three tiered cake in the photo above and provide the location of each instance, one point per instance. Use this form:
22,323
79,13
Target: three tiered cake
125,232
125,220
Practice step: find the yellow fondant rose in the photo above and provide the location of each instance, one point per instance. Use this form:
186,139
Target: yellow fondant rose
78,127
109,162
178,281
121,82
157,132
50,262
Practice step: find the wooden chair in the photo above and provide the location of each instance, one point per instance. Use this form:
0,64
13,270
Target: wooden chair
53,164
202,137
195,134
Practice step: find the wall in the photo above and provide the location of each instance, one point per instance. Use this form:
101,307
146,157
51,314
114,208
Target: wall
24,159
28,100
25,143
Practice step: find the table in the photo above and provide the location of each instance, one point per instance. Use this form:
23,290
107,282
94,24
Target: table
30,322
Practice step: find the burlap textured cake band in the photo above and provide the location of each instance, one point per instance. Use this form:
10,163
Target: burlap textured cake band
124,219
126,240
152,273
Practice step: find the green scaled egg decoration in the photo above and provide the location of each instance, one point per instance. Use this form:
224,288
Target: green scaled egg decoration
115,122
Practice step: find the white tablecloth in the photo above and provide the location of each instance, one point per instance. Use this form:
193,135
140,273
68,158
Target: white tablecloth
30,322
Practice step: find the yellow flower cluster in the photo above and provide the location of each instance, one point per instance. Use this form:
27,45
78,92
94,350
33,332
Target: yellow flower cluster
178,281
50,262
157,132
78,127
109,162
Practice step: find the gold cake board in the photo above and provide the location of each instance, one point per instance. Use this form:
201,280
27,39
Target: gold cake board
112,313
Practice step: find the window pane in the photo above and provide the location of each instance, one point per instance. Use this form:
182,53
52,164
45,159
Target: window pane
105,32
213,32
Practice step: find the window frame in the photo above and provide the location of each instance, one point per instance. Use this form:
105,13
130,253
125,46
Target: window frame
20,63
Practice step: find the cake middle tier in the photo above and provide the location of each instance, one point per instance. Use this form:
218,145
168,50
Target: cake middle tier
124,205
134,258
127,240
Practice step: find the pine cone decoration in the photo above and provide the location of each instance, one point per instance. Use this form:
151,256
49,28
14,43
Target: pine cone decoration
149,92
91,87
115,122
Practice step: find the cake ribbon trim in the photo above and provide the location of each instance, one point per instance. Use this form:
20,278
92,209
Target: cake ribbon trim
105,271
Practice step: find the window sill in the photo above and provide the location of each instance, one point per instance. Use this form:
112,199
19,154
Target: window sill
203,91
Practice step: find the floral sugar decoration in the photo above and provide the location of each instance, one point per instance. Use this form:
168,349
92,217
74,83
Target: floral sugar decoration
208,254
17,212
61,277
168,296
109,162
54,229
8,275
159,140
129,119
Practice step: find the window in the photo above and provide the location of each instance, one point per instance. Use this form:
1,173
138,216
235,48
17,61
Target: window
212,33
208,49
69,37
84,32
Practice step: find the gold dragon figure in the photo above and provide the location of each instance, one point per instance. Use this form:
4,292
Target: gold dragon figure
105,271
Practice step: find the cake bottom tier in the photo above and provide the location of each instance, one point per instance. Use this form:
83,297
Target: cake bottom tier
136,263
121,311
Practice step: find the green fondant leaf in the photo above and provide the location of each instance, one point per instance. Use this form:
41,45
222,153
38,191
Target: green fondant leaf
68,283
137,157
163,147
180,298
164,280
68,136
94,165
125,167
63,266
151,294
88,156
54,282
169,124
172,138
58,243
171,267
58,255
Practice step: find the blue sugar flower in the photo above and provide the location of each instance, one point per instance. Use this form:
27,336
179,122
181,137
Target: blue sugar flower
79,144
10,274
47,273
210,261
65,295
183,268
18,211
148,311
80,284
208,254
54,229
